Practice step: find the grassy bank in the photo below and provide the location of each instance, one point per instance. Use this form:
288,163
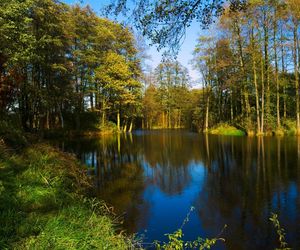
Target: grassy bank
225,129
288,127
43,203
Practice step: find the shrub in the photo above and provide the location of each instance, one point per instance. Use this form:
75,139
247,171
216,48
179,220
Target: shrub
12,134
289,127
280,232
225,129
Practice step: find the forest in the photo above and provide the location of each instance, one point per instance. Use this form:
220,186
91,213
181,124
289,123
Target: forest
250,74
64,67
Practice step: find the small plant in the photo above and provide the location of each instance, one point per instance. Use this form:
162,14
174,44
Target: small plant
280,232
175,241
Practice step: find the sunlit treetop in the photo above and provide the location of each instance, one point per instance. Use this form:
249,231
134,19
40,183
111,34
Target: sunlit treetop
164,22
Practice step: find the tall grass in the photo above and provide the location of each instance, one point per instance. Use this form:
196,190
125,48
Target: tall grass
225,129
43,204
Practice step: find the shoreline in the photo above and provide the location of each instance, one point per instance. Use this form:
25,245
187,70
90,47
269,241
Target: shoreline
217,130
45,203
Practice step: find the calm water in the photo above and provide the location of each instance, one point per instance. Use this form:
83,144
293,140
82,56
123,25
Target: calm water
154,178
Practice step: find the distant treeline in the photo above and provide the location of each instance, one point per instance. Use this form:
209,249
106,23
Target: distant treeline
63,66
249,72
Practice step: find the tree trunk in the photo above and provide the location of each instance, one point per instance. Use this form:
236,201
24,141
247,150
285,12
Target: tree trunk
206,112
276,72
131,125
262,96
62,123
118,121
244,91
266,54
92,101
295,53
103,112
283,69
125,126
47,120
255,83
169,118
231,105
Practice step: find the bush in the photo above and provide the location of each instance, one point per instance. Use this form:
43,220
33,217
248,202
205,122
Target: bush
225,129
108,127
289,127
12,134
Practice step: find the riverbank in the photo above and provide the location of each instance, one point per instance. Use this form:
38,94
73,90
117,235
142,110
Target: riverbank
288,127
44,203
73,133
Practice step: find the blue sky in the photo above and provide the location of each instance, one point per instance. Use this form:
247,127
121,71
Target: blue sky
185,54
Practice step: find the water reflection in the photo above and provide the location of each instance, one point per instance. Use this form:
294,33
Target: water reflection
250,178
154,178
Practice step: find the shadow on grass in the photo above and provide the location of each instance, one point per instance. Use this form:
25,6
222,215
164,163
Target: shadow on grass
43,203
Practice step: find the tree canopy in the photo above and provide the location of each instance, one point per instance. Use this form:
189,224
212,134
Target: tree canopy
165,22
58,61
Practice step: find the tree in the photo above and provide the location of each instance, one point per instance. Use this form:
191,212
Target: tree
204,61
49,56
247,67
172,80
15,48
151,106
294,10
164,22
120,88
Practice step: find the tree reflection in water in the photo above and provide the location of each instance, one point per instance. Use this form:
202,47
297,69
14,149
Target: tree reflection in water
248,179
154,177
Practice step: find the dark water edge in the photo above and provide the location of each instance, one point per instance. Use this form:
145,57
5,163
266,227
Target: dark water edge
153,178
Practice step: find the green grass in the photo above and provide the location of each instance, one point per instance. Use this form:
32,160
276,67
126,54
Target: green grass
43,203
225,129
289,127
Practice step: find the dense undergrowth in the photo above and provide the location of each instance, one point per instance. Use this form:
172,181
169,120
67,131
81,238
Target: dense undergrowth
88,124
288,127
43,203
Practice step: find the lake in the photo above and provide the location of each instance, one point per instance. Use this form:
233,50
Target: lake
153,178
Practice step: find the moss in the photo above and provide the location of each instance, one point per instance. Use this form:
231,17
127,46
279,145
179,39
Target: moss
43,203
225,129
